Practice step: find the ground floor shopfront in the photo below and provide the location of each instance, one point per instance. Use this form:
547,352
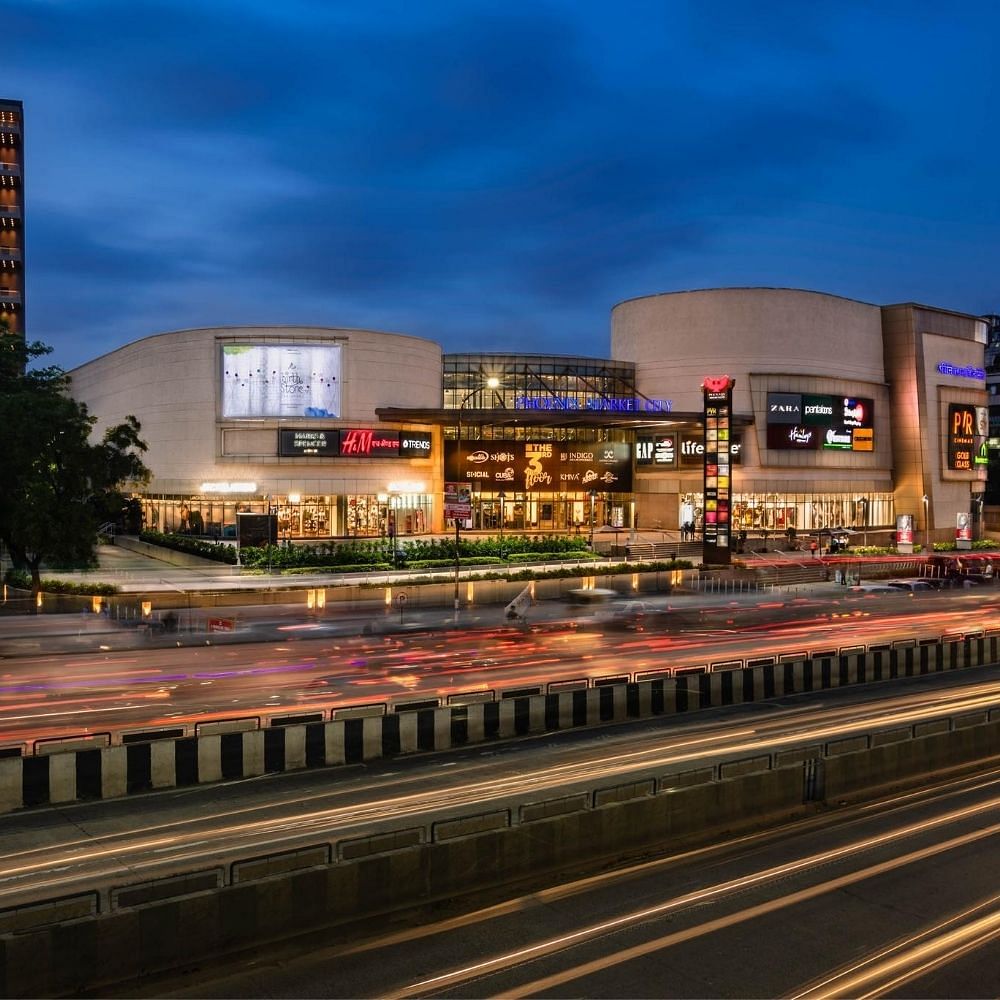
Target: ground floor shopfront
314,517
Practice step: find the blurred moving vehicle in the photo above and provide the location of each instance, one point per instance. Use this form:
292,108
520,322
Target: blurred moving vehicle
912,586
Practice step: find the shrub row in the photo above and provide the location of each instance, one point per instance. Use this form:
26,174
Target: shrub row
22,581
373,552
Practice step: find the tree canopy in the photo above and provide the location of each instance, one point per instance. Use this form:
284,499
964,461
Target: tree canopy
57,485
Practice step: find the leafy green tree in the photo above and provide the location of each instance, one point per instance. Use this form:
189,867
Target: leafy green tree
56,485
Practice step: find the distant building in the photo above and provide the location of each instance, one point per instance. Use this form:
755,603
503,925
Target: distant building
12,214
993,393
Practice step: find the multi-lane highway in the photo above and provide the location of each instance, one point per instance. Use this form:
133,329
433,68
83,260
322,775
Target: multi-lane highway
54,852
897,898
316,666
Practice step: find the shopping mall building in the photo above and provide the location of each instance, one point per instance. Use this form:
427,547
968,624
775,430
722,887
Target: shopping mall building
844,414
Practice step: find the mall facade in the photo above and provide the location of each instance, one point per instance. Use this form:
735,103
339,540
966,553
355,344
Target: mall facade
844,414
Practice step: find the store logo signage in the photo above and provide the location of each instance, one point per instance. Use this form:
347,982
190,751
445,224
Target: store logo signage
837,438
216,487
856,413
292,443
692,449
784,408
862,439
796,437
819,410
961,371
542,466
598,403
369,443
415,444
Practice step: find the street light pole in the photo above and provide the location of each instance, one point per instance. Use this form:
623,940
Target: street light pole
491,383
502,497
593,497
927,527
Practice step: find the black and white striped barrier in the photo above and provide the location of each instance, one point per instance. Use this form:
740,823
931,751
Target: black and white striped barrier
68,771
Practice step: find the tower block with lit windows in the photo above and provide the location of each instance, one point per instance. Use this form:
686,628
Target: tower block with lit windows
12,215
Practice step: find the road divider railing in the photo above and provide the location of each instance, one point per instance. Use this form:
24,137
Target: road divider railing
130,928
107,765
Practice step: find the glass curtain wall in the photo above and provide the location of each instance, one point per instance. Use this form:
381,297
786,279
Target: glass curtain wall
546,382
777,512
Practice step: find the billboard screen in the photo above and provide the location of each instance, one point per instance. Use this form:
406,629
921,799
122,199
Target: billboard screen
280,380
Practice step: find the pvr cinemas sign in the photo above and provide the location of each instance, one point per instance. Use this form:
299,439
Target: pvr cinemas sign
961,437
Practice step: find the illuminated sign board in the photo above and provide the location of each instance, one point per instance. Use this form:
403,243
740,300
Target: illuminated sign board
784,408
691,449
661,450
807,422
717,464
280,380
793,437
821,410
862,439
961,437
292,443
366,442
545,401
961,371
542,467
415,444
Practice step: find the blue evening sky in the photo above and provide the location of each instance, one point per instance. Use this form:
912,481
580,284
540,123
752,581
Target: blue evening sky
494,176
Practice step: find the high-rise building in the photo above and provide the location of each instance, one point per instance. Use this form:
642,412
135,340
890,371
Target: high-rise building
12,214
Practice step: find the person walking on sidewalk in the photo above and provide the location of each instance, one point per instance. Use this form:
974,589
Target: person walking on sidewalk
813,547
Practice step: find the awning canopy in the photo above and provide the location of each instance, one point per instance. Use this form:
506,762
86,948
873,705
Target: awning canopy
638,420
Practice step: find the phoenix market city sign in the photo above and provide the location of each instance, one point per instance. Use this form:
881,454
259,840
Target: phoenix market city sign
602,404
961,371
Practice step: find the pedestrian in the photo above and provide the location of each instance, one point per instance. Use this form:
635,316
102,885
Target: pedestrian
812,548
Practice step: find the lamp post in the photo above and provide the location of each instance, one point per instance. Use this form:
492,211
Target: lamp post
491,383
927,527
502,496
593,498
864,523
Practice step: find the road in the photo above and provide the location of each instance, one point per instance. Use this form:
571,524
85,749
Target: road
898,898
315,666
56,851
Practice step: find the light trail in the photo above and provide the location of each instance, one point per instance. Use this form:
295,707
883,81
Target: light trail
511,959
913,957
230,829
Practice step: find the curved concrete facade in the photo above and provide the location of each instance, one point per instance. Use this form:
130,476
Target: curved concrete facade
678,338
770,341
173,383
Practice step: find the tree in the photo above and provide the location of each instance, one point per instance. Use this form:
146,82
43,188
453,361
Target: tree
56,485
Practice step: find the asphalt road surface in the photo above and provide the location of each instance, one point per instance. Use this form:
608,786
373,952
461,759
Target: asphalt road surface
899,898
58,850
318,665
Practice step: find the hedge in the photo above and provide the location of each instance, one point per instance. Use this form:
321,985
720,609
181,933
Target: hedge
22,581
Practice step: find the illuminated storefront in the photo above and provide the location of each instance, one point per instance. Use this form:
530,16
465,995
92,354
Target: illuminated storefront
843,414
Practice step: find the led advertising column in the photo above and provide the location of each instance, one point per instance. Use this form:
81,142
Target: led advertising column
716,535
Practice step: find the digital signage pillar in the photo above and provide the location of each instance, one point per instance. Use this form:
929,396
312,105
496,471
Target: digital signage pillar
717,423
